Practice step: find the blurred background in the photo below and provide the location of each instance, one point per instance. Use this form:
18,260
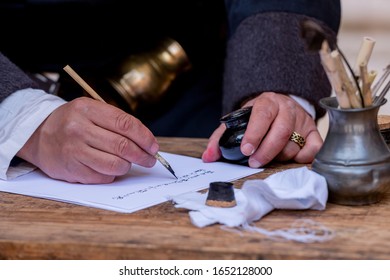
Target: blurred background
361,18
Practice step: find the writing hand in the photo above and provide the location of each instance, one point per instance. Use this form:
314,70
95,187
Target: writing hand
89,141
274,118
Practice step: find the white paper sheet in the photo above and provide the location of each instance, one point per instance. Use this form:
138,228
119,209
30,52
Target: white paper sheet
139,189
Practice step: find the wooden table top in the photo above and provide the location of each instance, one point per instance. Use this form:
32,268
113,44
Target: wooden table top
33,228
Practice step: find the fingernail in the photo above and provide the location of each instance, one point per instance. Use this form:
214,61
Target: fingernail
254,163
248,149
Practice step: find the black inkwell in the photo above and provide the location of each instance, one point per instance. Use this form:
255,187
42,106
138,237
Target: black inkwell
221,194
236,123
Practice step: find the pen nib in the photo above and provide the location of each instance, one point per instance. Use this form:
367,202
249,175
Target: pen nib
165,164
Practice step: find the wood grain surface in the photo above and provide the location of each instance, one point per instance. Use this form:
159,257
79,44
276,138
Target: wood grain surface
33,228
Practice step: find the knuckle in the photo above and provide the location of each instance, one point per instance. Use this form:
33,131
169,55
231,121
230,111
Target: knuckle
80,104
125,122
265,115
122,147
269,94
291,104
73,128
284,132
118,166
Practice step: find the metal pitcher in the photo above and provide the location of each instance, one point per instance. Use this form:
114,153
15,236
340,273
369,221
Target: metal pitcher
354,158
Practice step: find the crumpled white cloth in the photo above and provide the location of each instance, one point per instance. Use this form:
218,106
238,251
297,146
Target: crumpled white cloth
297,188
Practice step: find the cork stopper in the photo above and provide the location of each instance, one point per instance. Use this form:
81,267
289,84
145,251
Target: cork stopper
221,194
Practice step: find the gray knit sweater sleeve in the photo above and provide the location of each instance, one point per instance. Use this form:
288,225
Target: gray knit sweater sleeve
267,53
12,78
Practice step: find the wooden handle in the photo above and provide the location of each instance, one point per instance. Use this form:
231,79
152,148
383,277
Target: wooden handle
83,83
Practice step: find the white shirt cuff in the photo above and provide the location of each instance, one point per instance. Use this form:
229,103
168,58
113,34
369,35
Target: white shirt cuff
20,115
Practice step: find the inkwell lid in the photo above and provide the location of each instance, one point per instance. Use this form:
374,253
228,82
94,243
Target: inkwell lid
237,117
